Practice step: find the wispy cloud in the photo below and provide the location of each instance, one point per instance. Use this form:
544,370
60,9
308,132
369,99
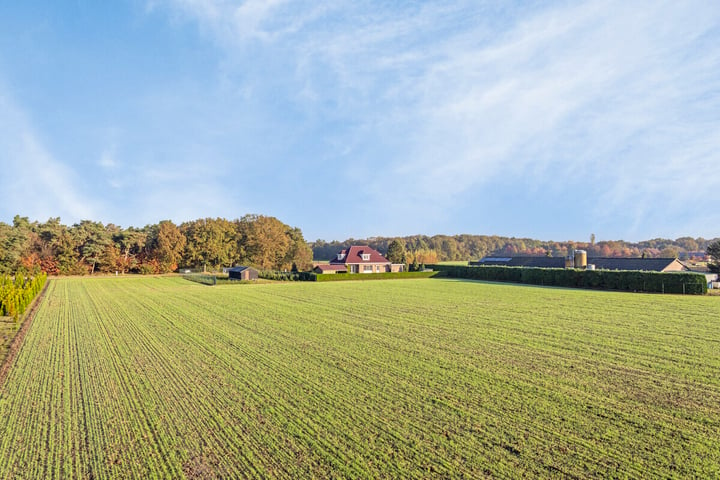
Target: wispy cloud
39,185
615,100
418,109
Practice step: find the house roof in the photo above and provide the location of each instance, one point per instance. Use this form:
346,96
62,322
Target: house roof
331,268
601,263
354,255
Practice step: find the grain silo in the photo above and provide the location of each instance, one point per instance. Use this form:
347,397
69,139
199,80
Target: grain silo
580,259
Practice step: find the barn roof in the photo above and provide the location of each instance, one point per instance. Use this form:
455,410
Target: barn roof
537,262
646,264
601,263
238,269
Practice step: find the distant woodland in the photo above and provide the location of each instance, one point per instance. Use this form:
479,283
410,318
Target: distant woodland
264,242
89,247
440,248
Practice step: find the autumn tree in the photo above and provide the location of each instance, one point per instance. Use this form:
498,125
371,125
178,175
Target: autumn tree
299,254
266,241
210,242
167,244
423,256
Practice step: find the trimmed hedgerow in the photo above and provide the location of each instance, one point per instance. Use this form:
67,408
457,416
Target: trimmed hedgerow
287,276
204,279
339,277
629,280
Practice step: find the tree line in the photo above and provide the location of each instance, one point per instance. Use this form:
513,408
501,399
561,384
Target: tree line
208,243
441,248
265,243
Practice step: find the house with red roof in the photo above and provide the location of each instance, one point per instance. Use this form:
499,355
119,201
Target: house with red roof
359,259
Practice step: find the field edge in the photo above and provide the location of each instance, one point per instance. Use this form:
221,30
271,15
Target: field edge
17,341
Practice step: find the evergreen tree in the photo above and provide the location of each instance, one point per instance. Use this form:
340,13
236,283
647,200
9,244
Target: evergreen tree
396,252
713,252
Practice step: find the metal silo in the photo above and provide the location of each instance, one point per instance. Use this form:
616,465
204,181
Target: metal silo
580,259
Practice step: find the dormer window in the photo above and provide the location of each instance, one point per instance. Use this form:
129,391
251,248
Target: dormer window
365,257
340,256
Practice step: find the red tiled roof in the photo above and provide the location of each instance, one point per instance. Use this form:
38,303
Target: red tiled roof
330,268
354,255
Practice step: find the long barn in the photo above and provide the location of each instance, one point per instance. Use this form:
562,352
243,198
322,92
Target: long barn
600,263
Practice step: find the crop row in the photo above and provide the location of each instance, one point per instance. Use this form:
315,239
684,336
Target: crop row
138,378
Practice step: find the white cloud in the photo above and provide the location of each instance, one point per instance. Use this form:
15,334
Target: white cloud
38,185
612,100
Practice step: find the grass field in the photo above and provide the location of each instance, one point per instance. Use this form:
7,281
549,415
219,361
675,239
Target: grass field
8,328
161,377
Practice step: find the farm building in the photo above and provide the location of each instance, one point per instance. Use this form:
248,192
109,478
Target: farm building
242,273
533,262
712,279
363,259
578,261
327,268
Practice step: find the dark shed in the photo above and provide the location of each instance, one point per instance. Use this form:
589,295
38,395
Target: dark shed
242,273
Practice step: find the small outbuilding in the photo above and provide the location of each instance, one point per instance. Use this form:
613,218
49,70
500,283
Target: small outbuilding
242,273
327,268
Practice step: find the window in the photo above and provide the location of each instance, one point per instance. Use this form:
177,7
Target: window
366,257
340,256
367,268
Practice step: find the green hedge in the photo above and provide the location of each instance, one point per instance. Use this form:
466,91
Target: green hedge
204,279
287,276
222,279
630,280
339,277
16,294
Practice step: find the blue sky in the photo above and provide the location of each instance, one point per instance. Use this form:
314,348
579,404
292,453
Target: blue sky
355,118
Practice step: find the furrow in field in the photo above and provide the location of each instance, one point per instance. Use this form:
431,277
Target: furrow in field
355,419
212,354
166,377
310,387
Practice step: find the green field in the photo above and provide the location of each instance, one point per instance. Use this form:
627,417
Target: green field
161,377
